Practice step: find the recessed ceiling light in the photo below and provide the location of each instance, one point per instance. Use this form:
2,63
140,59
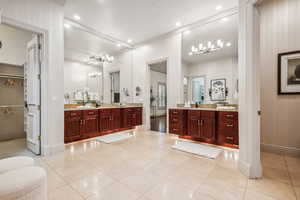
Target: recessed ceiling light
178,24
228,44
225,19
129,40
219,7
187,32
76,17
119,45
67,25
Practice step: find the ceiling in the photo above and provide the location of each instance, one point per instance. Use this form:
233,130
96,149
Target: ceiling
141,20
159,67
227,31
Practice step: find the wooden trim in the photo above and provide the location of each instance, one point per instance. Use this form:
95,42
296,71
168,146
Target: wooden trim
279,92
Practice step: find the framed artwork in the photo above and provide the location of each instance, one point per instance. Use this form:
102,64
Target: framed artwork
218,91
289,73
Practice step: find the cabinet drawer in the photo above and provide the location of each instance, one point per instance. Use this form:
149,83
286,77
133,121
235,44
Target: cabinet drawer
208,114
175,120
90,112
116,111
105,111
175,112
229,125
229,138
228,115
73,114
175,129
192,113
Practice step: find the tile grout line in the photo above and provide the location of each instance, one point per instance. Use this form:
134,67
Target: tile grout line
290,177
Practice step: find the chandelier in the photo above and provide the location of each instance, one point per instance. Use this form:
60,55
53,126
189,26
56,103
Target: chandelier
209,48
96,60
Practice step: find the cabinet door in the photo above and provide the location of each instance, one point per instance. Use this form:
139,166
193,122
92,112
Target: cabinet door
90,125
194,123
105,122
139,117
73,127
207,129
115,119
127,117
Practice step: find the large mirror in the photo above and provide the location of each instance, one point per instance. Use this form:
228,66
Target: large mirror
210,62
94,68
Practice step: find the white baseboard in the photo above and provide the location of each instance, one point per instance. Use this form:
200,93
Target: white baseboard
249,171
51,150
280,149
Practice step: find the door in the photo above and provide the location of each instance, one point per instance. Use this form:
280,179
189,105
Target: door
116,119
194,123
105,119
32,95
207,128
73,129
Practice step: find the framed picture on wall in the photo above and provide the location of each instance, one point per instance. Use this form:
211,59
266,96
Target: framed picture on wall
289,73
218,90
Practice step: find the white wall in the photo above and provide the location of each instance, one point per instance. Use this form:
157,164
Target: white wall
76,77
14,45
157,77
169,48
280,28
217,69
48,16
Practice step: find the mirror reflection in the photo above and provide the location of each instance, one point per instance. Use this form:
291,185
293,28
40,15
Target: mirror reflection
92,68
210,62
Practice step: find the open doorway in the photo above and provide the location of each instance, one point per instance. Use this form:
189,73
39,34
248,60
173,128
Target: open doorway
20,77
115,87
158,96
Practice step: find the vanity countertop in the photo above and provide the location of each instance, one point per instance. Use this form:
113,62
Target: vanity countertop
102,107
208,109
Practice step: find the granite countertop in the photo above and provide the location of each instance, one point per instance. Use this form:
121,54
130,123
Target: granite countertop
101,107
208,109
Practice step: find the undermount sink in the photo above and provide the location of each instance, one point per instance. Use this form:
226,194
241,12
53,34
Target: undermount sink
86,106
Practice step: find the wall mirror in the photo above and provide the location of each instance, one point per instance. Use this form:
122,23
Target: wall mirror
93,67
210,62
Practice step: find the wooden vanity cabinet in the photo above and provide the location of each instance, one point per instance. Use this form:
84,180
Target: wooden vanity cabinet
73,126
109,119
201,124
177,121
83,124
228,129
90,123
132,117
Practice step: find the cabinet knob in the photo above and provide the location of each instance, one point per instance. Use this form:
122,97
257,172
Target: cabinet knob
229,138
229,125
229,116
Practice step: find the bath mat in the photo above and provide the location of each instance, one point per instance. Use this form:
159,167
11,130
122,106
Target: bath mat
198,149
114,137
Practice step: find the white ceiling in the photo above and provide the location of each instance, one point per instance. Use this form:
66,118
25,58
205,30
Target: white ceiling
227,31
141,20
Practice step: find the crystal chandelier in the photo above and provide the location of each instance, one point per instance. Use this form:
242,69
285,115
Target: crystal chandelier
211,47
96,60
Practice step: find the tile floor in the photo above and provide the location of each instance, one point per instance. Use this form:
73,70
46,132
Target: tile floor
146,168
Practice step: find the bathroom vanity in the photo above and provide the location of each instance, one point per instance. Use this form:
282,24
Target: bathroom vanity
83,123
208,125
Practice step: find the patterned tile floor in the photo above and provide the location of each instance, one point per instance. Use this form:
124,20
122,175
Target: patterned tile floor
147,168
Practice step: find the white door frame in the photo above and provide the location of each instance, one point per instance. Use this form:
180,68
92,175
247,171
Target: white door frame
44,65
147,92
249,89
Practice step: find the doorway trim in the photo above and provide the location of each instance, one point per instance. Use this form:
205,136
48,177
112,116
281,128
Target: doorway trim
43,76
147,92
